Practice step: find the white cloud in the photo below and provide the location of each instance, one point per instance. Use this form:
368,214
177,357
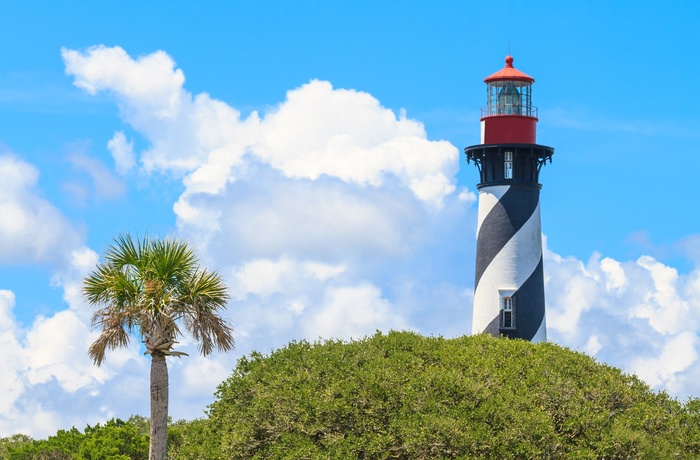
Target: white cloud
323,271
122,152
265,277
665,370
58,347
183,131
317,131
13,353
48,380
593,345
262,276
353,312
347,134
575,289
615,278
467,196
201,375
31,419
150,81
325,220
31,228
666,311
638,315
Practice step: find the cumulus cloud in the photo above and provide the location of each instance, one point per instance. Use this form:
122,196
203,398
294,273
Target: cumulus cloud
325,220
347,134
353,312
665,369
151,82
58,347
639,315
317,130
14,354
182,131
264,277
69,277
50,352
122,152
31,228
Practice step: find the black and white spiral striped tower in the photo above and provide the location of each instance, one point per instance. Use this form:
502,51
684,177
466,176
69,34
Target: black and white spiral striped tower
509,286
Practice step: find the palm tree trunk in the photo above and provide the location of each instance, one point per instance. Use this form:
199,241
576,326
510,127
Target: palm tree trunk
159,408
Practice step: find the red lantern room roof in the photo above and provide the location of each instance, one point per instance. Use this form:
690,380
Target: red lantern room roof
509,73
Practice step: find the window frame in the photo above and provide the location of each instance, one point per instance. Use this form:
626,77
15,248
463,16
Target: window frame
508,164
507,299
508,317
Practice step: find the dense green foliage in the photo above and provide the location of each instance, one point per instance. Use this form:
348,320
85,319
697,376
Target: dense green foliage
115,440
406,396
193,440
13,442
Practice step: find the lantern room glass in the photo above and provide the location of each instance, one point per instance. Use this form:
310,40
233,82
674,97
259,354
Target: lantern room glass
509,97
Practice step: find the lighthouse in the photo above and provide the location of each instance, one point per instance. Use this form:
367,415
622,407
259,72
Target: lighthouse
509,282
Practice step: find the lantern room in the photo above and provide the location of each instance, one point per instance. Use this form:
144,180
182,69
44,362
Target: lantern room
508,116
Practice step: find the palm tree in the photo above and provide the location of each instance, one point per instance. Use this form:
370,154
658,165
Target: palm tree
151,288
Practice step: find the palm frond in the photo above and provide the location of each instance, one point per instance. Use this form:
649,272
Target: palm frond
209,331
202,297
115,334
174,262
207,289
124,251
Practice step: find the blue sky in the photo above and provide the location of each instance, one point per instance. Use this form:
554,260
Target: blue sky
313,153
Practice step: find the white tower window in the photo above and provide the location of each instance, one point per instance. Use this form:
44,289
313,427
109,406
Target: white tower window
508,316
508,165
